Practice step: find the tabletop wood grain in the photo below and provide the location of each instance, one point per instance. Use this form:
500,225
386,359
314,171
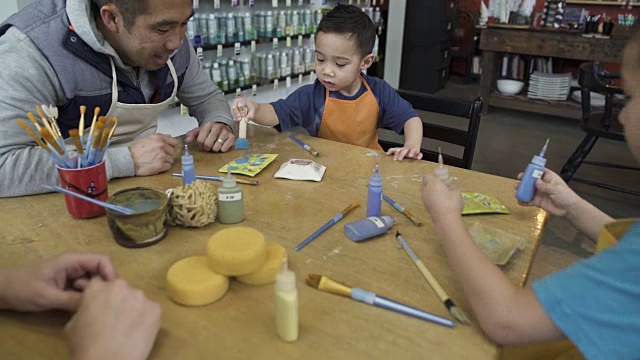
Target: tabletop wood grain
242,323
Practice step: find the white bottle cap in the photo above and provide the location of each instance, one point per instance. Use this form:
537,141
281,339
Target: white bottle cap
229,180
285,278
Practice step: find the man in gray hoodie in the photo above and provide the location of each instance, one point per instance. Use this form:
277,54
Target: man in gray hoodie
129,58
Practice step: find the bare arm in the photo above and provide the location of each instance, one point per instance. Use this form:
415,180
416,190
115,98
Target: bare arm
266,115
412,141
588,219
413,133
263,114
506,313
556,197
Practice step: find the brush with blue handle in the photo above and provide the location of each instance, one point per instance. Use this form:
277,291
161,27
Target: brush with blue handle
329,285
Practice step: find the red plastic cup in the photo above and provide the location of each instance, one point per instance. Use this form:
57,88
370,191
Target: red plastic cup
90,182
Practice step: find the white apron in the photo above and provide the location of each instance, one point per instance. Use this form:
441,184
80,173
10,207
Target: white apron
136,121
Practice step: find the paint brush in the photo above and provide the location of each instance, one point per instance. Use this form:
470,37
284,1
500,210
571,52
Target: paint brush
115,208
329,224
76,140
83,109
326,284
220,178
65,161
242,143
54,156
92,149
89,141
402,210
457,313
52,114
33,135
107,133
48,126
33,120
304,146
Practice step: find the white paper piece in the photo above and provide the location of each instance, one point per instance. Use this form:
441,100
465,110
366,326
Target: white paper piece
301,169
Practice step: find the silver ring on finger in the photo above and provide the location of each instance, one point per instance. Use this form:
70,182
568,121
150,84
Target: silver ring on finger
220,141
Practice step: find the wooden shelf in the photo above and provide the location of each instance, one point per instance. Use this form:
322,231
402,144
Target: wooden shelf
565,109
601,3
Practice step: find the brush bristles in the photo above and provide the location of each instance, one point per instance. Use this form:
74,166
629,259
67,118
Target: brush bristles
459,315
313,280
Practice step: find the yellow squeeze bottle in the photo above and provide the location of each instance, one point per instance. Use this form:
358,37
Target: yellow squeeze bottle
286,302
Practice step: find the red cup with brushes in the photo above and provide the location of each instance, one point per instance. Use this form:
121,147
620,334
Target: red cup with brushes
91,182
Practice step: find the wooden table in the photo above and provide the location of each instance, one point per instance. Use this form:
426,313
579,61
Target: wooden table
241,324
557,44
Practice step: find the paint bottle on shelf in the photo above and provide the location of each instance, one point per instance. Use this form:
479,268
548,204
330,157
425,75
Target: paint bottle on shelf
188,170
368,228
374,194
535,169
286,304
230,201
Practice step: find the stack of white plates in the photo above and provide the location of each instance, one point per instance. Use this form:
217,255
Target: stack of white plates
549,86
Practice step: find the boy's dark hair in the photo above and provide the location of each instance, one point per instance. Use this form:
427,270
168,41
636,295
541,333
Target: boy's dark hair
350,19
130,9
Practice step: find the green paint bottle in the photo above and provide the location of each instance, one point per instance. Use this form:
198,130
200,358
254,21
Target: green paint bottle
230,201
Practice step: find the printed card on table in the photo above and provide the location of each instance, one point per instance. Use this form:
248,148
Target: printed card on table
250,164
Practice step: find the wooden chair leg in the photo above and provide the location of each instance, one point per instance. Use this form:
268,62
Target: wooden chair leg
575,160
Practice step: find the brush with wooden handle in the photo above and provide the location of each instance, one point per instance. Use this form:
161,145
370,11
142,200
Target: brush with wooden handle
242,143
457,313
56,158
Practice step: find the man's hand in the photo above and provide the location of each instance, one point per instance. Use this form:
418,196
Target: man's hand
114,321
153,154
212,136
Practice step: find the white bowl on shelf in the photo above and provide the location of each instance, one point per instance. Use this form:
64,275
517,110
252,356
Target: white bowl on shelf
509,87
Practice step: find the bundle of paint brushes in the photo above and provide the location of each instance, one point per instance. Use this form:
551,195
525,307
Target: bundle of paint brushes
91,148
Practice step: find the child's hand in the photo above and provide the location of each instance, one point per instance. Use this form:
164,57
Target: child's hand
553,194
440,200
408,151
243,107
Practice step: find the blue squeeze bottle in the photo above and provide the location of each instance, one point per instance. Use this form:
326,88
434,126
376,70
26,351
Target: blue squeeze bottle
374,195
534,171
188,170
368,228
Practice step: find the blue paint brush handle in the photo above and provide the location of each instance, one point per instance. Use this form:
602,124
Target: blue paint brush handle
304,146
203,177
393,203
370,298
115,208
324,228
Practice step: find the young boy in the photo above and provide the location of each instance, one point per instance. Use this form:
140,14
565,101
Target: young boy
595,303
343,104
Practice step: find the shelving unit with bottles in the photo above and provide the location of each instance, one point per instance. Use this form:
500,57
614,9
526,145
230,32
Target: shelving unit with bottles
622,3
243,43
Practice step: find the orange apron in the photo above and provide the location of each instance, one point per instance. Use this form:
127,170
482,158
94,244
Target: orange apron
351,121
